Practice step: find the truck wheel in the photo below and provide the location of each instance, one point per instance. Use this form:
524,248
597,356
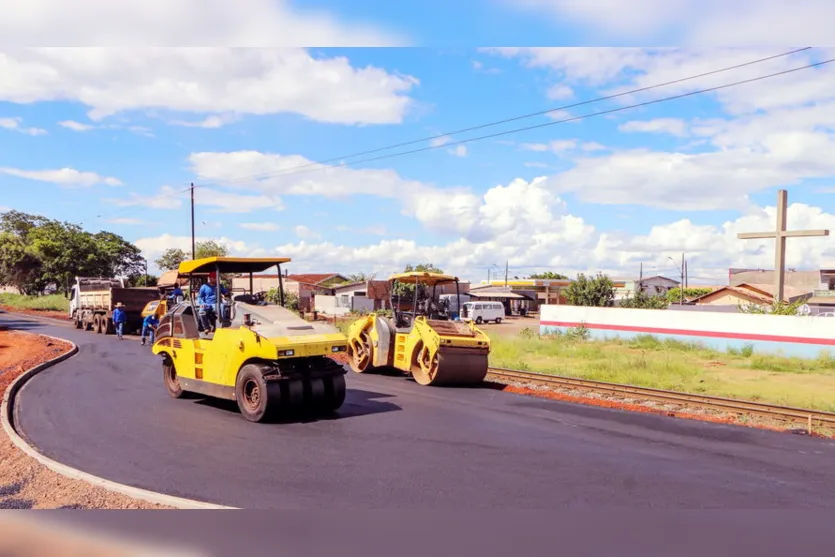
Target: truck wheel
169,377
78,322
256,400
97,323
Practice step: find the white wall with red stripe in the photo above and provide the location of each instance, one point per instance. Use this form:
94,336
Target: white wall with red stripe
802,336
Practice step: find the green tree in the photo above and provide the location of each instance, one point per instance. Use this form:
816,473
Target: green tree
775,308
291,299
138,279
209,248
595,292
550,275
641,300
36,253
171,259
674,294
403,290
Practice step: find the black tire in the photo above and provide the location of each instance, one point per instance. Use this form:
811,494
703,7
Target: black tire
78,323
97,324
479,320
169,377
334,392
109,327
256,399
498,321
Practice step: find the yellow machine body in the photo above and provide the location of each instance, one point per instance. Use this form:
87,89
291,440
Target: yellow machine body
433,349
268,359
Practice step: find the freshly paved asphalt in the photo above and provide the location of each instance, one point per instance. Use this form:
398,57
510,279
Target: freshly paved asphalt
398,445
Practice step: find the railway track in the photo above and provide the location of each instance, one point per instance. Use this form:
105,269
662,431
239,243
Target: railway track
809,418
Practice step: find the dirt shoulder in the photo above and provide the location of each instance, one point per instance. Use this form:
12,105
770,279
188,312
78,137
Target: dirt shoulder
52,314
25,483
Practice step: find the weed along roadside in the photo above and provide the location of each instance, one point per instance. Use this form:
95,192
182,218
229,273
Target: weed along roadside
647,361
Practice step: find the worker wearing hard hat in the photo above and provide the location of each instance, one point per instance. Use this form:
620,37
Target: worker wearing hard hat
206,299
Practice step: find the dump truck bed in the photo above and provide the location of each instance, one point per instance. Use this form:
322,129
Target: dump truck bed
105,299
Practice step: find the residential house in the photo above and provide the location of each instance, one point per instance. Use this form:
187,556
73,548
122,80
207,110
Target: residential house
304,286
651,286
750,293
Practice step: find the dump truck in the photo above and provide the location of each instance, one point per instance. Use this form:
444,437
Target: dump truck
93,299
261,355
422,339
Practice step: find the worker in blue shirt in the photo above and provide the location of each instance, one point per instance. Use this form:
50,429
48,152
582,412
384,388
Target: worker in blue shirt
149,327
206,299
119,319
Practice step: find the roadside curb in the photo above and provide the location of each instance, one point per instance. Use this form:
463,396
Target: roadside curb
7,418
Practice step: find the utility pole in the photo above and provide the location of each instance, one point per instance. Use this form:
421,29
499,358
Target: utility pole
681,298
686,276
192,221
505,272
146,272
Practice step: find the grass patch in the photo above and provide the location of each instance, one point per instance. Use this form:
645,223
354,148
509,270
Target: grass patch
53,302
649,361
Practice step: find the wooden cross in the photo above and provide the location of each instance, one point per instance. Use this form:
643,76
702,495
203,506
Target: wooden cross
780,236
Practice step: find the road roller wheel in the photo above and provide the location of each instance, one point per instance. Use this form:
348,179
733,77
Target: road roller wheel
360,352
253,394
335,392
169,377
425,367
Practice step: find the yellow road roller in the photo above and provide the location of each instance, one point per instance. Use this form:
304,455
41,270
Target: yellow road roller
261,355
421,339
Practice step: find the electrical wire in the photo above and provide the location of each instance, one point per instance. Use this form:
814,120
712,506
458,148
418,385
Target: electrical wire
515,118
571,119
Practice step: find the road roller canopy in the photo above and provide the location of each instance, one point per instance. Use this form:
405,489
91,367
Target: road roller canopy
423,277
230,264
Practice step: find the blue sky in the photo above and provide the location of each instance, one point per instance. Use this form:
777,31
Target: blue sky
109,137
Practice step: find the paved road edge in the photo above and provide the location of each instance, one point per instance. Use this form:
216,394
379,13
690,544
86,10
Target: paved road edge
7,418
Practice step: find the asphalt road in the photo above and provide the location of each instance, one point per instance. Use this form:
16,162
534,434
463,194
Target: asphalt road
399,445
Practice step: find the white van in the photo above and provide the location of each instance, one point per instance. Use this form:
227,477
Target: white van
482,311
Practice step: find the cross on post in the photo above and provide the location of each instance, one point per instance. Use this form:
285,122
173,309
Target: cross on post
780,236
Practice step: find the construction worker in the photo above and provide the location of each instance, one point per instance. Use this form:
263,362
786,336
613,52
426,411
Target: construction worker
206,299
149,327
119,319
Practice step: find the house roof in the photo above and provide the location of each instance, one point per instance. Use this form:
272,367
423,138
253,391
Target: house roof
660,277
758,291
313,278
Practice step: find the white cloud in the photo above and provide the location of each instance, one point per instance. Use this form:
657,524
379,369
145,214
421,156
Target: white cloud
128,221
277,174
167,198
560,92
76,126
459,150
153,247
672,126
766,22
563,145
536,165
305,232
221,201
260,226
210,122
206,80
64,177
138,23
14,124
525,223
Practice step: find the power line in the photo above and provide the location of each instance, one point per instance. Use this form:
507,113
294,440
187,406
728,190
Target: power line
299,169
582,117
524,116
